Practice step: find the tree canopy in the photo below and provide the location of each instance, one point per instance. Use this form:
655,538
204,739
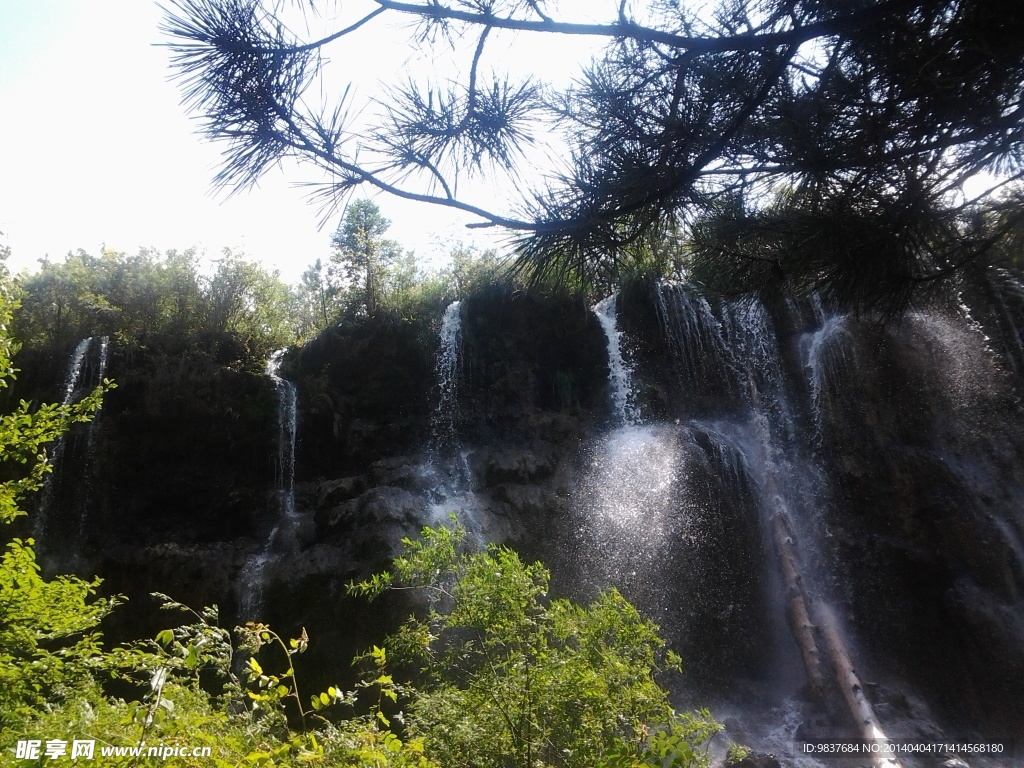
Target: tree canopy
864,117
151,293
362,252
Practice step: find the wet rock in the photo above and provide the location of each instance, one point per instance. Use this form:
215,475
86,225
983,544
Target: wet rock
525,501
401,471
521,465
333,492
385,509
757,760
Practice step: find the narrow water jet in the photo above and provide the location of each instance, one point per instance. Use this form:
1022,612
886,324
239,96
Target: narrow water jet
85,493
282,537
287,429
825,358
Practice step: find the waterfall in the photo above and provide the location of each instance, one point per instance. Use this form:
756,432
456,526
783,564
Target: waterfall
282,535
71,388
446,370
287,416
1007,293
446,469
619,373
626,519
825,356
695,340
81,376
734,348
75,365
85,493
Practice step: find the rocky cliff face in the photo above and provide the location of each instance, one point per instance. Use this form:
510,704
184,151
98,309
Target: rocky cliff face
897,452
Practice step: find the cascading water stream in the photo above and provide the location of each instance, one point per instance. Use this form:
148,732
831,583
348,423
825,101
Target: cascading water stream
792,490
619,373
447,466
826,357
1007,292
627,521
446,370
90,442
287,428
71,379
80,376
282,535
694,336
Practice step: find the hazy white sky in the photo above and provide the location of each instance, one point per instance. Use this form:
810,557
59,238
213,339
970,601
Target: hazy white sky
95,148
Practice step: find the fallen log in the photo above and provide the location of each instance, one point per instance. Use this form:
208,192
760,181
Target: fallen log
801,609
798,612
852,688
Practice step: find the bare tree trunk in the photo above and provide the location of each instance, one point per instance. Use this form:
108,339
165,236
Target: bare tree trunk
798,610
852,688
801,611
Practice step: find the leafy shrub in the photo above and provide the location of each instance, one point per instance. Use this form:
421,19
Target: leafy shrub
150,294
514,678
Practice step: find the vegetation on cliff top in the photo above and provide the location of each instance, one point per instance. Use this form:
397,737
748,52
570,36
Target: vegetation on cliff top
235,309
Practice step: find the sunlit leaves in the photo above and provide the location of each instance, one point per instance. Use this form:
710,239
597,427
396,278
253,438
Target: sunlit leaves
514,677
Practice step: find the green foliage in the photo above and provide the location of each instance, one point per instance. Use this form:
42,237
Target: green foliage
514,678
472,270
247,723
48,641
362,254
319,298
736,754
406,291
132,297
49,644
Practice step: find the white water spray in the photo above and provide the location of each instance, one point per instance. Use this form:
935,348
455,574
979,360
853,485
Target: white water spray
446,371
619,373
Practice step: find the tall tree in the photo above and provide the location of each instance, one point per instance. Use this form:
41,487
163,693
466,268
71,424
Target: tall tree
362,252
872,112
318,297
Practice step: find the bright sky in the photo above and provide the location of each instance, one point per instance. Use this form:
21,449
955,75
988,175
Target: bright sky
96,149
